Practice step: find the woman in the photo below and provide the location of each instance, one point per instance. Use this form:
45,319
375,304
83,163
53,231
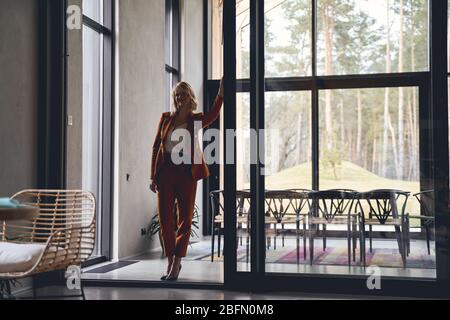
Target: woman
179,181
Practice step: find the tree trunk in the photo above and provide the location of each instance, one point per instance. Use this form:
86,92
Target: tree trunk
386,99
413,114
300,149
341,119
411,146
394,147
328,19
401,100
359,129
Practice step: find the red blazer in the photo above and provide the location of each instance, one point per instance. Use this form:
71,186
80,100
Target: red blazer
199,171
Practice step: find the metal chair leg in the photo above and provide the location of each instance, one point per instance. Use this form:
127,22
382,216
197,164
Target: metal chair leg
219,232
82,290
212,242
401,242
363,243
427,231
275,237
297,240
311,246
408,238
355,243
248,249
304,240
324,230
349,244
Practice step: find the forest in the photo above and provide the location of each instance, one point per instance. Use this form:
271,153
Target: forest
367,137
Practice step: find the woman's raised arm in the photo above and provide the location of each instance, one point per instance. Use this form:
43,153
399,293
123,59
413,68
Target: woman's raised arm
213,114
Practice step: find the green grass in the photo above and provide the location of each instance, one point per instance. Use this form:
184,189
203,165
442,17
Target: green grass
349,176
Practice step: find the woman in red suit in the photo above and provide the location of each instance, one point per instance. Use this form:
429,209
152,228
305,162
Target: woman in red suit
172,181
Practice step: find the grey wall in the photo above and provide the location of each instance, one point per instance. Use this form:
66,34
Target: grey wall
18,95
141,102
18,98
75,105
192,62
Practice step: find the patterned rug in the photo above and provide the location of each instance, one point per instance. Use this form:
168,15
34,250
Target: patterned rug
337,256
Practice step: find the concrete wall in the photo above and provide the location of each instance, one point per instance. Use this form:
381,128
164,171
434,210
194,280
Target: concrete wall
192,62
18,98
75,105
18,95
141,87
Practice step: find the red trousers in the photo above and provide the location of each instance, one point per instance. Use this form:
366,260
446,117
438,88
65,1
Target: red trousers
175,182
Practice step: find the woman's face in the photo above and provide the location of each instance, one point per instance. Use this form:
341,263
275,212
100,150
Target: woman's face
183,99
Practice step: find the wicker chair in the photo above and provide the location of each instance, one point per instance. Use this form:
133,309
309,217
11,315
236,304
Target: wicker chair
61,235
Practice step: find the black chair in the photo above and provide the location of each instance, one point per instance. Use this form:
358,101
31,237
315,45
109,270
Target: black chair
426,218
333,207
284,207
383,210
217,220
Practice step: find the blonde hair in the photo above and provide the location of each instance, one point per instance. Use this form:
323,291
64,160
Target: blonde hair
184,87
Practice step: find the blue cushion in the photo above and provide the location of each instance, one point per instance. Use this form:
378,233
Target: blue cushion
7,203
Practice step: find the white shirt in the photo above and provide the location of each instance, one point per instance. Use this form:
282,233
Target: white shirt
180,139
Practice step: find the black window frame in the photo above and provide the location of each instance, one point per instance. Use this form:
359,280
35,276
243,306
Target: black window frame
172,46
433,155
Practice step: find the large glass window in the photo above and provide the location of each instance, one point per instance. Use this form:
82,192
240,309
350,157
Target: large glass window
96,115
242,39
360,37
288,38
92,110
369,139
94,10
339,133
288,140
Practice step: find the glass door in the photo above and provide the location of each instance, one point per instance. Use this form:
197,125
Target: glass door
342,155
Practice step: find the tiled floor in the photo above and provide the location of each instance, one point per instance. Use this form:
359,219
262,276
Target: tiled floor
151,266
